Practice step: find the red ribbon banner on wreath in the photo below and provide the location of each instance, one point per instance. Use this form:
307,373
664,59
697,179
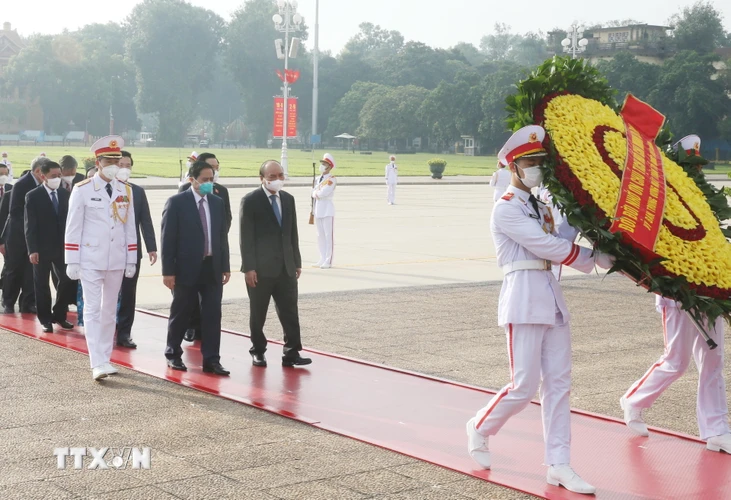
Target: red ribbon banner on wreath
641,204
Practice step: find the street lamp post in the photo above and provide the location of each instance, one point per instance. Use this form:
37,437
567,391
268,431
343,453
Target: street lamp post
574,42
287,21
315,83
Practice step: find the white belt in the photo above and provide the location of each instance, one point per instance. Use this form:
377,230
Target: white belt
524,265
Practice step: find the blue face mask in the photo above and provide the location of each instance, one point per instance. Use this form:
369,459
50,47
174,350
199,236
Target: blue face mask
205,188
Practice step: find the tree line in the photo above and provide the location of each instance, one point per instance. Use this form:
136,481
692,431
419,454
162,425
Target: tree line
183,64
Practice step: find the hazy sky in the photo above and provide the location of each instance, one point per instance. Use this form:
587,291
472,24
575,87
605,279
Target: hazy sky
437,23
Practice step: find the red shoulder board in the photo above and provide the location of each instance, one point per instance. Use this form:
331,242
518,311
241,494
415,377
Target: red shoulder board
508,196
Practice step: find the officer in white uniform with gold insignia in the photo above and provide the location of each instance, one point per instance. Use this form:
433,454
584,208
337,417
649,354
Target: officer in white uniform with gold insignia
101,248
323,194
533,311
500,180
683,342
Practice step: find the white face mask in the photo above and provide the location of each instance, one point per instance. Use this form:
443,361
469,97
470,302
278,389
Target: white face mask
532,177
274,186
3,180
68,179
215,176
110,171
53,183
123,174
322,168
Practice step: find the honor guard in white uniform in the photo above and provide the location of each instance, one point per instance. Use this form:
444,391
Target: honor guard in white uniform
683,341
324,211
5,161
545,196
391,181
533,312
101,248
500,181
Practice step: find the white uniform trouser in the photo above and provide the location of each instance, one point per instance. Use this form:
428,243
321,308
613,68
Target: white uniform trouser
325,226
391,193
682,340
101,292
536,353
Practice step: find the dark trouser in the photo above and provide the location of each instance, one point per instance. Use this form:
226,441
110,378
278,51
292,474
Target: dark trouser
283,290
185,299
18,280
127,302
41,274
195,320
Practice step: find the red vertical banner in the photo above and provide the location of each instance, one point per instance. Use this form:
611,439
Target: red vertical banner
278,129
291,117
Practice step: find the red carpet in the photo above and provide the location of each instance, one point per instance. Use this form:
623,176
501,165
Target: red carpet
424,417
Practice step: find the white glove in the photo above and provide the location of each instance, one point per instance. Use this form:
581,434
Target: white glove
73,271
130,270
604,260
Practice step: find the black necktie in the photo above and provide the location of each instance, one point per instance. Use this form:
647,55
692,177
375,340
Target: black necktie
321,177
109,190
534,202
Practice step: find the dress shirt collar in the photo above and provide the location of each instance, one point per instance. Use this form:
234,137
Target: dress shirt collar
198,197
269,193
49,190
519,193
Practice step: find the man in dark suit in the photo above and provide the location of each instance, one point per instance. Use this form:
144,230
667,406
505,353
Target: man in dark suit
272,263
143,221
46,208
195,261
19,273
194,329
69,176
5,189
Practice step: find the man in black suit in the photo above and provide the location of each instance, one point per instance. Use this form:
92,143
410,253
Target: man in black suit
19,273
69,176
143,221
195,261
5,189
272,263
194,329
46,208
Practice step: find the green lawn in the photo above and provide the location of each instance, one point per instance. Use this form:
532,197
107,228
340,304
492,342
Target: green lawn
163,162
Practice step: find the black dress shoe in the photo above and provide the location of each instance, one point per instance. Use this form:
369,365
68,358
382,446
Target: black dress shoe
295,361
215,368
47,327
126,342
65,324
258,359
190,335
177,364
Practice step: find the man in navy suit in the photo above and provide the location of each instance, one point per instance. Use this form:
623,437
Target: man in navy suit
46,209
195,260
5,189
143,221
18,279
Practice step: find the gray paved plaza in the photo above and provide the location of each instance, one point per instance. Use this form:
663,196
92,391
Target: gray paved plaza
415,286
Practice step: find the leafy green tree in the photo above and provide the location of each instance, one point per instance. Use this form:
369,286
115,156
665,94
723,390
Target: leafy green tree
345,115
686,93
221,103
173,47
393,114
699,28
470,53
495,87
628,75
502,45
420,65
373,43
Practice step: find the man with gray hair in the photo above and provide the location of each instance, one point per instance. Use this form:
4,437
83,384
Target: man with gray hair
18,281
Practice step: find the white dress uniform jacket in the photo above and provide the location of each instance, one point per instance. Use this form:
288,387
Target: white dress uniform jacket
323,194
522,235
500,181
100,232
391,173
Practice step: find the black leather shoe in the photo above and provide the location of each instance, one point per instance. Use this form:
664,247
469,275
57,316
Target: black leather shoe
177,364
295,361
126,342
189,335
215,368
258,359
47,327
8,310
65,324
